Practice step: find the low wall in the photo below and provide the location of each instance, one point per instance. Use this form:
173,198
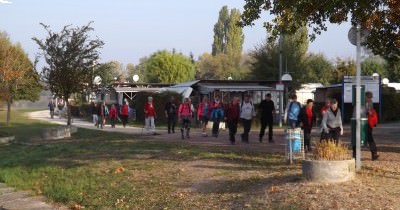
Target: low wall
59,132
328,171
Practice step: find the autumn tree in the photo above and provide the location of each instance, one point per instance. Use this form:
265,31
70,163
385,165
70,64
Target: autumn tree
374,64
265,58
69,56
380,17
110,71
168,67
317,69
18,79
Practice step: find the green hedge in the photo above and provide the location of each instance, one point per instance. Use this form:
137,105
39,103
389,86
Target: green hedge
390,105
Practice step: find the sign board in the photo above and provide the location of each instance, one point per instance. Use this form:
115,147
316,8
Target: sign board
280,86
371,85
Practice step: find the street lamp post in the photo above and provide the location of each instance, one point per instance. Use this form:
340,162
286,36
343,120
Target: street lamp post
280,81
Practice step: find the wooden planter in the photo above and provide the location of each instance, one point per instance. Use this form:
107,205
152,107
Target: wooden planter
324,171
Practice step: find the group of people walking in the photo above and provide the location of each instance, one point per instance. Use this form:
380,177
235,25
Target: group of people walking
235,112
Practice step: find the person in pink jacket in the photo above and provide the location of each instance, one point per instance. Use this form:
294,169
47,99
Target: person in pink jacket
185,114
203,113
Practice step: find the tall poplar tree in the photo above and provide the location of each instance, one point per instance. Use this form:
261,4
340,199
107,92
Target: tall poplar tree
229,38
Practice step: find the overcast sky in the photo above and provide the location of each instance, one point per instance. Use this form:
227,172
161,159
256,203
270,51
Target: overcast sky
132,29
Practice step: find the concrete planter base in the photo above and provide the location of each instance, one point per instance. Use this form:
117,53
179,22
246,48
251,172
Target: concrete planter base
60,132
7,140
328,171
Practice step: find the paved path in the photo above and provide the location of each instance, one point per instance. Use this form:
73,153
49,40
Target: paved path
23,200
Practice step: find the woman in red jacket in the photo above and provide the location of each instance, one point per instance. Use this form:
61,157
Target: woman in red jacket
113,115
125,113
372,122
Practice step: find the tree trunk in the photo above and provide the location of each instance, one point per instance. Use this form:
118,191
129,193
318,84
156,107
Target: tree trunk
9,101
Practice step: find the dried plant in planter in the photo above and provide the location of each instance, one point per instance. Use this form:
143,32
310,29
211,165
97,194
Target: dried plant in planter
328,150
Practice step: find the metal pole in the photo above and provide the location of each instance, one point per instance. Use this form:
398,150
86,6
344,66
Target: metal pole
280,81
358,100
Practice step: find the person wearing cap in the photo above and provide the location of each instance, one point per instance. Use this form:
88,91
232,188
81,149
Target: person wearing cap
150,115
247,112
307,118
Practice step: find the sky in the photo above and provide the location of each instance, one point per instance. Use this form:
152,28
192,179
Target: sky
132,29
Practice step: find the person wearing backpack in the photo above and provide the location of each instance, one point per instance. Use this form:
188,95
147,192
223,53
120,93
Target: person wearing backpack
372,122
203,112
292,112
217,114
247,113
185,114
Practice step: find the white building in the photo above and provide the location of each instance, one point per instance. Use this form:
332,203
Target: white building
307,91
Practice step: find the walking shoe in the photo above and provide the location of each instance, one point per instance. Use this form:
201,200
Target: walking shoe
375,157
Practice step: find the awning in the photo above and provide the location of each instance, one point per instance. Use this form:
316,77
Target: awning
205,89
135,89
184,91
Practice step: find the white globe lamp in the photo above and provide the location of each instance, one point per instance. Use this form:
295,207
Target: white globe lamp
135,78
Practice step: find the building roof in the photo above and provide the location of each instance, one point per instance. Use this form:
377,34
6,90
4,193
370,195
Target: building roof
206,88
135,89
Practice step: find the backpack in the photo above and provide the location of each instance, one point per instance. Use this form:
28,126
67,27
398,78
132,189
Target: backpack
292,111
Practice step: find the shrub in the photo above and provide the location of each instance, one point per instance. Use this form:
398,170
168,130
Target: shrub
328,150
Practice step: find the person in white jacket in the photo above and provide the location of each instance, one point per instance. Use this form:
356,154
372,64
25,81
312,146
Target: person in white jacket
332,122
247,112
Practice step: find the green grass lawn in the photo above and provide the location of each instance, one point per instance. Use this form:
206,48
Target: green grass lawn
103,170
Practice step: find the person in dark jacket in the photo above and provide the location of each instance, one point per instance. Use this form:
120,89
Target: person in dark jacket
232,114
170,110
267,108
307,119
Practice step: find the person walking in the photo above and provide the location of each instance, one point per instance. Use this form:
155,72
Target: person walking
307,119
267,108
125,113
203,113
332,122
170,113
150,116
323,111
51,106
217,114
185,115
247,112
232,118
60,107
372,122
113,115
101,114
93,111
292,112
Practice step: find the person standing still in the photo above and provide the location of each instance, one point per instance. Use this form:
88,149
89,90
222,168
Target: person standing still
232,114
51,106
170,114
267,108
203,111
307,118
150,115
247,113
125,113
292,112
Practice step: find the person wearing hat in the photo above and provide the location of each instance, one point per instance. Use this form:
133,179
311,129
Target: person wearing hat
150,115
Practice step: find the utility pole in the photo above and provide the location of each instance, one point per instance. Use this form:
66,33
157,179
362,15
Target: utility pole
280,81
358,98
